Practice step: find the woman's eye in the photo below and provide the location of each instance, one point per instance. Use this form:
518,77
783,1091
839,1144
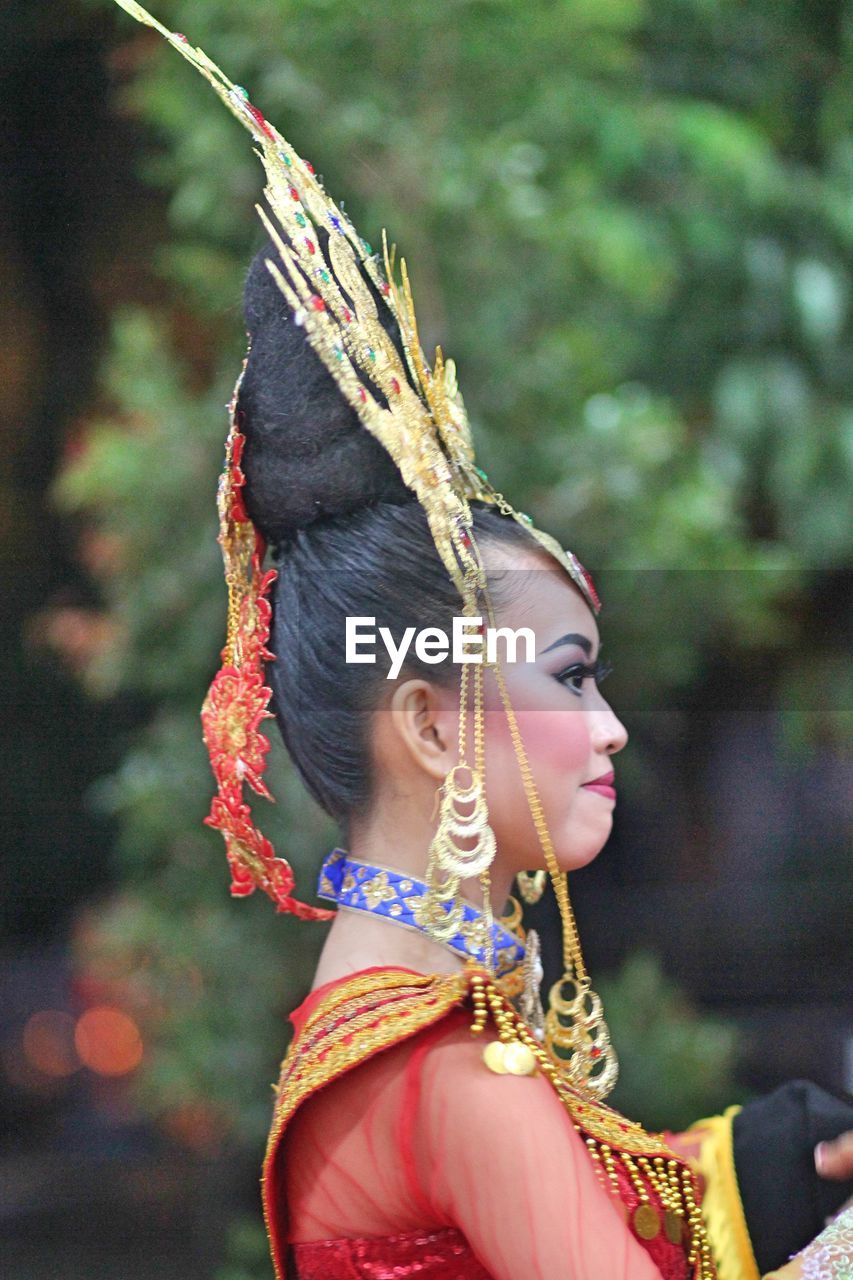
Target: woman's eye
573,677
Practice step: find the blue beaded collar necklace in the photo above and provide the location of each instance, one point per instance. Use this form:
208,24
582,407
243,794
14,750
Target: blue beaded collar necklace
393,895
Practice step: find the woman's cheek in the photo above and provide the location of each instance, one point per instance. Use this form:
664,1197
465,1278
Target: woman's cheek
556,743
558,748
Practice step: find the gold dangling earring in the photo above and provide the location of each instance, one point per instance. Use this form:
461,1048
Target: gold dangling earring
576,1033
531,885
575,1030
463,817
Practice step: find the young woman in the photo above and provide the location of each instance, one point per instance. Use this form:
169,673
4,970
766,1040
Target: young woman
395,1149
432,1119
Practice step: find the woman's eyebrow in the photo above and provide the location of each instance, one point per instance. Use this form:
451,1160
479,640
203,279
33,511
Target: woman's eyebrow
571,638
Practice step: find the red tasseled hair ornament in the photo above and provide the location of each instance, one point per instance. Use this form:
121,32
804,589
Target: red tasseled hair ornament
238,699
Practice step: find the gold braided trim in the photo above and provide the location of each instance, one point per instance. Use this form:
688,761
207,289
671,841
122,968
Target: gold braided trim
722,1207
357,1019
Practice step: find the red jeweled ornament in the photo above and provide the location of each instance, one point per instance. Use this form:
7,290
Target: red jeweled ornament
258,119
238,699
236,704
587,577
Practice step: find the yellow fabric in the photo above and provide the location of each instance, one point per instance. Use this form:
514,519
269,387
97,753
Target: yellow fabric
722,1207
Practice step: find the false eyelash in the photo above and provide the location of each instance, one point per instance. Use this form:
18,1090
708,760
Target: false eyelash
599,670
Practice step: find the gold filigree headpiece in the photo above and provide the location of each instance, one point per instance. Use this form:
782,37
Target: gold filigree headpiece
414,411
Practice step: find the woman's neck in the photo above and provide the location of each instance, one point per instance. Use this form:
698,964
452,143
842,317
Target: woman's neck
357,941
399,837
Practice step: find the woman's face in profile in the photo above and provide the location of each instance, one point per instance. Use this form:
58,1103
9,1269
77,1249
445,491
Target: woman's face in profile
568,730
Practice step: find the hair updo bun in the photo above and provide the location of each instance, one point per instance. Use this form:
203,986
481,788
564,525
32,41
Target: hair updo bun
307,456
350,540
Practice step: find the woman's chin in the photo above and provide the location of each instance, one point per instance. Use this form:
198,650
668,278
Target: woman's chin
572,853
578,861
573,859
575,854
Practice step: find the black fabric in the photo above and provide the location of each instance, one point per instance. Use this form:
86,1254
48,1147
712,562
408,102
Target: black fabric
785,1201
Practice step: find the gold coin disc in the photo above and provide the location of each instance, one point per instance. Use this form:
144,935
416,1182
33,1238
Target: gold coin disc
646,1221
518,1060
673,1225
493,1056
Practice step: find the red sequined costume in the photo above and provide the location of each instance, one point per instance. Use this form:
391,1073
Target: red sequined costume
395,1152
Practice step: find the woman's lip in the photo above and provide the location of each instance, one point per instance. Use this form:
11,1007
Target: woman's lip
603,785
601,788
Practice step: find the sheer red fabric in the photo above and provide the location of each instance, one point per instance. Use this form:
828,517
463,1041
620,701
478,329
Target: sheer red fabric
422,1162
429,1255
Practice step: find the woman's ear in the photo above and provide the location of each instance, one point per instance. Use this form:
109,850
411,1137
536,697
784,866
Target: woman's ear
424,720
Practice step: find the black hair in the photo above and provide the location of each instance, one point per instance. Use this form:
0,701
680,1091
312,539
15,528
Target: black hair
349,540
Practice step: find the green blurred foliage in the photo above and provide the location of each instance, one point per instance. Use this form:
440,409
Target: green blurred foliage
630,224
247,1251
675,1065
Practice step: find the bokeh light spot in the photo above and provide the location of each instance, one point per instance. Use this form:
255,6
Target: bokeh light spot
108,1041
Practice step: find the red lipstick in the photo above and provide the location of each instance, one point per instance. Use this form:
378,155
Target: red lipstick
603,785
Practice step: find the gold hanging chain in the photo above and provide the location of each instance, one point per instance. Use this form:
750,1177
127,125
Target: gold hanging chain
572,955
480,766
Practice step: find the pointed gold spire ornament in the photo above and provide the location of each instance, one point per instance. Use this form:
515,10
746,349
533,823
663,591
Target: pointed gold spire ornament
418,416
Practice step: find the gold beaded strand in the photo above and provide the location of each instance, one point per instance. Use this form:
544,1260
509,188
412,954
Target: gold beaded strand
517,1052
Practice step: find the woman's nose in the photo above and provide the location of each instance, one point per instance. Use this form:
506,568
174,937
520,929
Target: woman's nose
608,733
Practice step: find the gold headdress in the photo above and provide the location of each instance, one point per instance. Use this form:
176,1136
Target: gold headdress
417,414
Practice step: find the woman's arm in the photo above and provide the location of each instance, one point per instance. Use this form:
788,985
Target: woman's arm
498,1157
